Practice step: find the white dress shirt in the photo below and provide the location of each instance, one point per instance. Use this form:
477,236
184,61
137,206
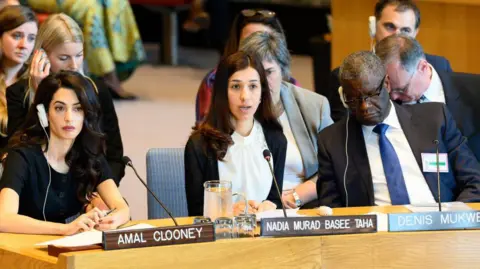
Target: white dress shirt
245,166
294,172
417,188
435,92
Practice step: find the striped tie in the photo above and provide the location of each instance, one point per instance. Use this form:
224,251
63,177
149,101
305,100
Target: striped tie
422,99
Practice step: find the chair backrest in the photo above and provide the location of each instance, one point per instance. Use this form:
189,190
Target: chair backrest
166,178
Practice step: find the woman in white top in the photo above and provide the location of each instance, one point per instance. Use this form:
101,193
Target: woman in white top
229,143
302,113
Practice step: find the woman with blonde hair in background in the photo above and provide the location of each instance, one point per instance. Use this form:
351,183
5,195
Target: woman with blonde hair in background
113,46
59,46
18,28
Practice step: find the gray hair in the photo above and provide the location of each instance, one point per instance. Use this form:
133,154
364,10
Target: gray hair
270,47
401,48
363,66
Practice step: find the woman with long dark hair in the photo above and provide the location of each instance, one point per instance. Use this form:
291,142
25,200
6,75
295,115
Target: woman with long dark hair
56,162
229,144
59,45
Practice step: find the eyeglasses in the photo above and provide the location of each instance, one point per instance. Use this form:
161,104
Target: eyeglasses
354,102
253,12
405,88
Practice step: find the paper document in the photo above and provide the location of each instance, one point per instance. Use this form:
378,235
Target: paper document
87,238
278,213
433,207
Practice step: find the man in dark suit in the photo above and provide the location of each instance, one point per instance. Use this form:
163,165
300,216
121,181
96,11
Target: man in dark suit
392,17
382,153
414,80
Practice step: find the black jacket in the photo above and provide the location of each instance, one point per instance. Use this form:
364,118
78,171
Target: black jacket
421,124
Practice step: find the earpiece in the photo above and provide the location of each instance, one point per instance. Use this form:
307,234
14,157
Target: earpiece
342,97
42,115
372,30
372,27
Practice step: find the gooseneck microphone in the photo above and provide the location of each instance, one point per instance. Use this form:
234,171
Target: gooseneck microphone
267,156
128,162
436,142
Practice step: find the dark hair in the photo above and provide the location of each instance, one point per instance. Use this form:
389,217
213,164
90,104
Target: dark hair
217,127
401,6
241,21
84,156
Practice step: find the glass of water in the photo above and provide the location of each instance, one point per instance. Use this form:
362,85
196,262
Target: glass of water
244,226
201,220
223,228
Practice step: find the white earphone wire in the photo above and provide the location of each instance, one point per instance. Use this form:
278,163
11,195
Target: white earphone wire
49,176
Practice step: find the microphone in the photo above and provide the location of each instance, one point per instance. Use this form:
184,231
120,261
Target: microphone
128,162
436,142
267,156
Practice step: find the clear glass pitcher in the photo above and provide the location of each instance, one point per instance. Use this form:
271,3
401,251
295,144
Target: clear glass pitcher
217,199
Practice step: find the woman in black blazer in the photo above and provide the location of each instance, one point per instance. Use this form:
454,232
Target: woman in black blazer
229,143
59,46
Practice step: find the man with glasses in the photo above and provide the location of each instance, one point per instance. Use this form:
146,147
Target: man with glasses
414,80
381,154
391,17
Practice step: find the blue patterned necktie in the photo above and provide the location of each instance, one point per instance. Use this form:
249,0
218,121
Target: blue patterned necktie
391,166
422,99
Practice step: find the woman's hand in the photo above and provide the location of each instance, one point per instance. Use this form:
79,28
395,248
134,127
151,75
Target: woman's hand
97,202
39,68
288,199
239,207
113,220
266,206
84,222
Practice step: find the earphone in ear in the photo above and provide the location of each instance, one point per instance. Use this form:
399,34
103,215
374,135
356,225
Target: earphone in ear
372,21
42,115
42,118
342,97
372,30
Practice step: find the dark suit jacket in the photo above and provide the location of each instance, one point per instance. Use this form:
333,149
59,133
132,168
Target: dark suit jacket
201,165
463,101
338,111
17,112
421,123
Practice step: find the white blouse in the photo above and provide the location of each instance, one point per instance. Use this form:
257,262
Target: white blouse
294,173
245,166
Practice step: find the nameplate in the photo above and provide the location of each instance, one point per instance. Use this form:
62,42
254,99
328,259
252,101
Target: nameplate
433,221
161,236
325,225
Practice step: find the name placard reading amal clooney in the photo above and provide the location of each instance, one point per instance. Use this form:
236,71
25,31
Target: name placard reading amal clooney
184,234
301,226
431,221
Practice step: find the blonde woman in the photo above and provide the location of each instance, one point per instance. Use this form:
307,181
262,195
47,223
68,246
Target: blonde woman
59,46
18,28
114,48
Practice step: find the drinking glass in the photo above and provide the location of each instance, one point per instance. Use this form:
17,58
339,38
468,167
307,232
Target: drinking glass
223,228
244,226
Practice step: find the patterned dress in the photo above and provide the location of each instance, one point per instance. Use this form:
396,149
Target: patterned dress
112,39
